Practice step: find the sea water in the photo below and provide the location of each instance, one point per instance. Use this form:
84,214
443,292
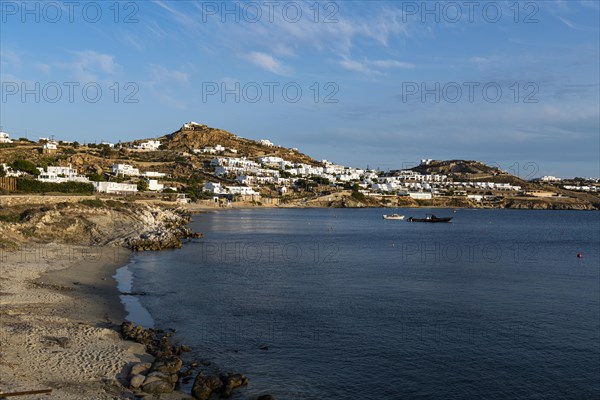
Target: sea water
342,304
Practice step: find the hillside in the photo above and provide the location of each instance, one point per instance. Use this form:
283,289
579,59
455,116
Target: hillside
196,136
471,170
184,157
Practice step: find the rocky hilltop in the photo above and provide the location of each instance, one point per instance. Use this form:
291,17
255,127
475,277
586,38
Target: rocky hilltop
196,136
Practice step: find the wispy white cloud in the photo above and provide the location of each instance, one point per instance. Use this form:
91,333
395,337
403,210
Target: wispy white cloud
161,74
165,85
577,27
9,57
278,39
268,63
43,68
355,66
89,65
373,67
391,64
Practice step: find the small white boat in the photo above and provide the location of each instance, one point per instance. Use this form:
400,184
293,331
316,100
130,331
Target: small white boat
393,216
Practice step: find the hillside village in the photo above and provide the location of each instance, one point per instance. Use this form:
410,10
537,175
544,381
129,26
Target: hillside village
214,167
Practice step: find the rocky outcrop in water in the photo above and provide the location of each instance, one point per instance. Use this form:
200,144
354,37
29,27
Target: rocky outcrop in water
205,386
163,374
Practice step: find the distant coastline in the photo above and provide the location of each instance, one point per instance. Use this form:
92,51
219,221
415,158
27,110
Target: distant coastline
202,165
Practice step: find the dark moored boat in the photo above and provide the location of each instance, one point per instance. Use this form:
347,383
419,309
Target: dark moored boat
429,218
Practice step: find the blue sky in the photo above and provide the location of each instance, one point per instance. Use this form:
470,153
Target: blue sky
382,83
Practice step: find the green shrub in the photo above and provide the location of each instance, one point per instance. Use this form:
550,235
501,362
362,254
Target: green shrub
25,166
10,218
142,186
94,203
32,186
358,195
96,177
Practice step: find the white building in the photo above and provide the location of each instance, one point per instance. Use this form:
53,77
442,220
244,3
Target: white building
50,146
114,187
420,195
154,186
217,188
149,145
549,178
4,138
11,172
241,190
60,174
192,125
266,142
125,170
214,188
153,174
270,160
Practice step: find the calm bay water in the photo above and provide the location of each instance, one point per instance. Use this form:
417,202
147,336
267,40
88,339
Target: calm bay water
341,304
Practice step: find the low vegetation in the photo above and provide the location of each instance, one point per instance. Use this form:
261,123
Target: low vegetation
25,185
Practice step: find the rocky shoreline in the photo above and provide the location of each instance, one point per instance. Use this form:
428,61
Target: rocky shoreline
94,222
83,228
164,374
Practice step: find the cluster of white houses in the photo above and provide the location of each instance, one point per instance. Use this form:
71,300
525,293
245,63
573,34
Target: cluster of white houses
269,170
584,188
249,175
57,174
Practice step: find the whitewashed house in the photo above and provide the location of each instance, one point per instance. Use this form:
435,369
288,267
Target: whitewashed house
5,138
549,178
268,160
60,174
125,170
11,172
153,174
213,188
420,195
154,186
241,190
152,145
114,187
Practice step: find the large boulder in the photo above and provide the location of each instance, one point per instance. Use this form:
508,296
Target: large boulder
231,382
130,331
136,381
170,365
204,386
140,369
158,383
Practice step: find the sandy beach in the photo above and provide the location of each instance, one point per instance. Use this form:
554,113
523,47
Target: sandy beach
59,309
